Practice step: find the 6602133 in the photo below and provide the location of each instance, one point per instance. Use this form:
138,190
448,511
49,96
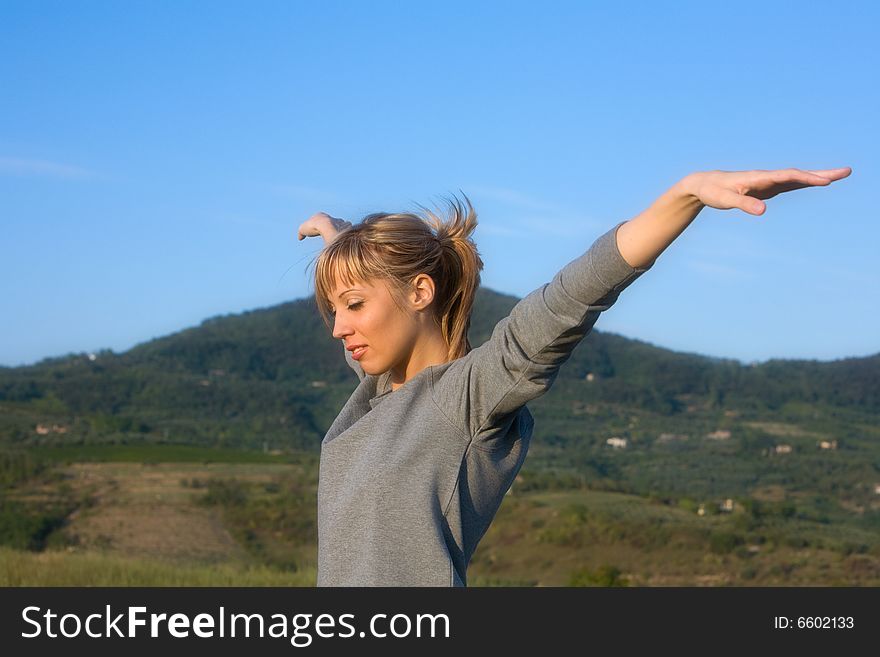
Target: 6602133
825,622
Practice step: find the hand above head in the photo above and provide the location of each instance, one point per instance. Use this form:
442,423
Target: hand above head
323,225
746,190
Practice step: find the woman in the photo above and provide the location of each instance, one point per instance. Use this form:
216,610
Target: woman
417,463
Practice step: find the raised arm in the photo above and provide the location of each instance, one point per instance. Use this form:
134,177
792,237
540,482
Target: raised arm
519,362
522,358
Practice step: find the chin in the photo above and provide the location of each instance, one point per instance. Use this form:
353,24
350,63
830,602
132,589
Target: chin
371,369
376,370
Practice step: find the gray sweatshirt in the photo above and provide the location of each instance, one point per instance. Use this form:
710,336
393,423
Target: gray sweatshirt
410,479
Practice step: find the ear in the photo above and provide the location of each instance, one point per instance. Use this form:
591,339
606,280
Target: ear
422,293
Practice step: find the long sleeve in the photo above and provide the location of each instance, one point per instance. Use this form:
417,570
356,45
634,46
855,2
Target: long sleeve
521,359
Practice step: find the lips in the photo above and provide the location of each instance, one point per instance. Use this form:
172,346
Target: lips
357,351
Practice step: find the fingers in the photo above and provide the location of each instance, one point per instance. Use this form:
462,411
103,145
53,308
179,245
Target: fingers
306,230
832,174
311,226
728,199
810,176
798,176
748,190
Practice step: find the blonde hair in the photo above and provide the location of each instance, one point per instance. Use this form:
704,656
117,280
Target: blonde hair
397,247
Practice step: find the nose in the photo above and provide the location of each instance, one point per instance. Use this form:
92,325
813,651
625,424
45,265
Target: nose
340,327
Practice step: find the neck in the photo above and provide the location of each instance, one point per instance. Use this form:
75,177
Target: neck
430,349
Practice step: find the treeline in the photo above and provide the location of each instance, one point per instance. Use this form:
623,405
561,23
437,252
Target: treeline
276,377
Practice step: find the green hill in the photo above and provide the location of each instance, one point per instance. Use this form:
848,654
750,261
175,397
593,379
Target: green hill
275,376
792,445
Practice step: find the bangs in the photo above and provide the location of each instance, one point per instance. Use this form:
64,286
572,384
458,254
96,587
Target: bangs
345,261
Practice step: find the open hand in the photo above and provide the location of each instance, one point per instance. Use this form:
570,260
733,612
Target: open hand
747,189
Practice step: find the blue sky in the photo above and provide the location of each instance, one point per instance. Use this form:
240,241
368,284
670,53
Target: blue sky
156,158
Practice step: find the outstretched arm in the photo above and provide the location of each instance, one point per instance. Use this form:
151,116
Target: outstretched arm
519,362
646,236
521,359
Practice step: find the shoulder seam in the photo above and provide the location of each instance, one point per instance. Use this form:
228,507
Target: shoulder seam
480,447
455,426
504,396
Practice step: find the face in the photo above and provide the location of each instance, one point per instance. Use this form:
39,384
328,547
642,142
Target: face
366,314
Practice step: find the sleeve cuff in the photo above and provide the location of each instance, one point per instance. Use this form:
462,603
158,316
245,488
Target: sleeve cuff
600,274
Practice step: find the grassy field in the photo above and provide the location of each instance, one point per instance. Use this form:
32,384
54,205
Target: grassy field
203,521
62,568
585,537
153,454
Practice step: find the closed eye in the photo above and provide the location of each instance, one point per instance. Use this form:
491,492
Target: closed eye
355,306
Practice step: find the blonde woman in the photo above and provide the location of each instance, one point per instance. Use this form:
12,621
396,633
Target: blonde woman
417,462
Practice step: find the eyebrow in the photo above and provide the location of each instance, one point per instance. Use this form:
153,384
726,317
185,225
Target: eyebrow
348,290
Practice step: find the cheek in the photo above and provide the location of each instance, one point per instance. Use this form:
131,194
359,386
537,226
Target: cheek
393,331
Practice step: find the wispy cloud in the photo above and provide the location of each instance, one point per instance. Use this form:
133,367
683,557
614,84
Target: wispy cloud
490,228
252,222
311,195
20,166
514,198
561,226
719,270
531,217
842,276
